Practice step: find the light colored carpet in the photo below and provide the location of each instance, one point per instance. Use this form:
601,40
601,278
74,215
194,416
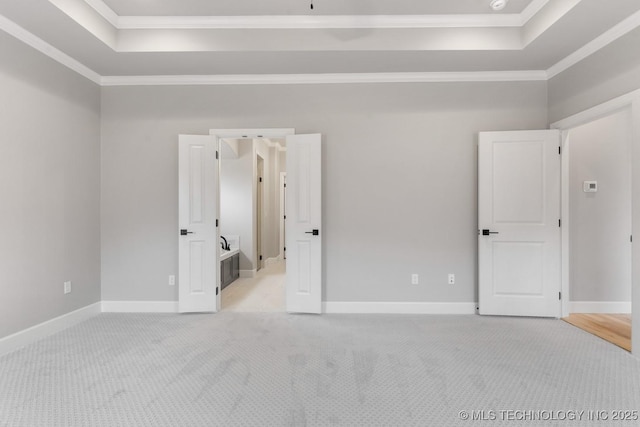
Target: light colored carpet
274,369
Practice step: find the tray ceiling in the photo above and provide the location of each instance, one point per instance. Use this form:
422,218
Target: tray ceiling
138,38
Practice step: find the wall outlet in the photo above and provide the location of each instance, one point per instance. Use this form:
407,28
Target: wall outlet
172,280
414,279
452,279
67,287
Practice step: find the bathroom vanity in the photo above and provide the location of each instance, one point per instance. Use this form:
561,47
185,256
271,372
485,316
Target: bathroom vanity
229,267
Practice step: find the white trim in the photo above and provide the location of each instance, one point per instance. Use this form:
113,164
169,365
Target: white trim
105,11
529,75
532,10
308,22
594,113
283,224
596,44
565,276
50,327
623,307
329,78
318,21
40,45
598,111
248,274
139,306
400,307
252,133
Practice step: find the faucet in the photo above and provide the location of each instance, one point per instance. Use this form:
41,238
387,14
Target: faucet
225,245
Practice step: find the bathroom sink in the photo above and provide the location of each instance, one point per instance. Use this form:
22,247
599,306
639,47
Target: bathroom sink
224,254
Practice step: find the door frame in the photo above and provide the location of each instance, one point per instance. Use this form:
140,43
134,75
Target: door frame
629,101
258,202
283,212
246,133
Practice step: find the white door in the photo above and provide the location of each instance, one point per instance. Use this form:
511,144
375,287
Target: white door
197,233
303,224
519,223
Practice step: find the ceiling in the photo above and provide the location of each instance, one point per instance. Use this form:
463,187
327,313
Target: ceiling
116,40
302,7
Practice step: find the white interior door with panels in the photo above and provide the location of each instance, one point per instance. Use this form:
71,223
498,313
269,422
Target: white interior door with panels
303,224
519,239
197,214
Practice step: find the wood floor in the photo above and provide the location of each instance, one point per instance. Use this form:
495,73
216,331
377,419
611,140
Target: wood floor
615,328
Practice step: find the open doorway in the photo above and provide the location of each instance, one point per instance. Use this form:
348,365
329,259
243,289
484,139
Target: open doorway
598,193
199,221
250,170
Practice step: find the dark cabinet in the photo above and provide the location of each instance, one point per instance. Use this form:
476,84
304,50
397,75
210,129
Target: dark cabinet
229,270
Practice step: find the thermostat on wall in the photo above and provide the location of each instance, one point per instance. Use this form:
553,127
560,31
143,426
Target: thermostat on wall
590,186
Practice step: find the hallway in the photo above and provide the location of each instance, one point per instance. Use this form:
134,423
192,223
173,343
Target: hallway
263,293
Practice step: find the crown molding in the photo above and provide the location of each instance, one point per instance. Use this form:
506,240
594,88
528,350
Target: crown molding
105,11
624,27
336,78
317,22
609,36
40,45
531,10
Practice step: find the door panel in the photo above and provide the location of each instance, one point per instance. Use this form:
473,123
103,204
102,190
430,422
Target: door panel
519,233
304,214
519,196
197,212
514,277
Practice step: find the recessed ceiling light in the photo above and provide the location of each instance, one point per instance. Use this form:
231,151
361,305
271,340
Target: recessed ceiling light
498,4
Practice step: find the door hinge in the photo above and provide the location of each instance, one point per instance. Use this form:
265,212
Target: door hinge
560,295
260,257
216,291
216,155
285,217
560,150
631,238
559,223
216,222
260,179
285,186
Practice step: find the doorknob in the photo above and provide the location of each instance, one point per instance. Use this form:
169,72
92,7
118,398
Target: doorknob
184,232
486,232
315,232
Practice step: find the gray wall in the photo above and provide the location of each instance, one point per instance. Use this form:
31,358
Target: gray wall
601,222
399,178
49,187
611,72
270,203
236,201
608,73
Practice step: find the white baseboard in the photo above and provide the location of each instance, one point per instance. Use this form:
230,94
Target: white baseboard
248,274
400,307
139,306
620,307
50,327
